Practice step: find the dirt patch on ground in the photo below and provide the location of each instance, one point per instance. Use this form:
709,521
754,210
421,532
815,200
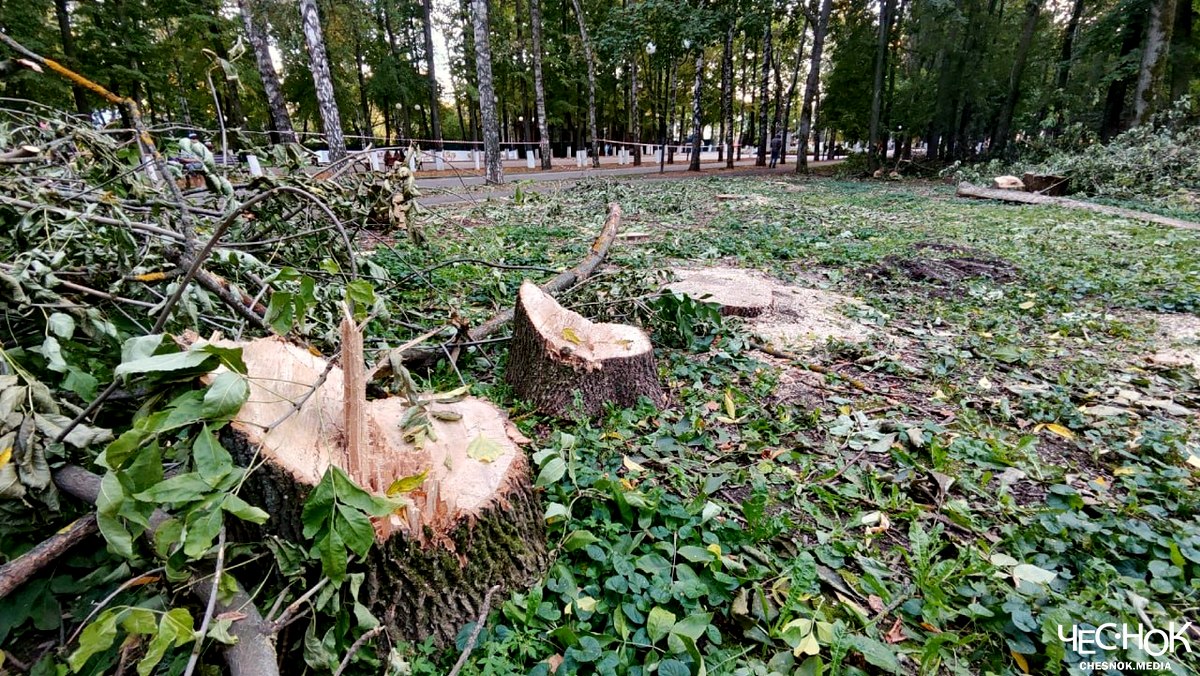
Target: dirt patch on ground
1177,341
945,265
782,314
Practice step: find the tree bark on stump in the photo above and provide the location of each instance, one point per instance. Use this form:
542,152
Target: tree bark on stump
474,522
567,365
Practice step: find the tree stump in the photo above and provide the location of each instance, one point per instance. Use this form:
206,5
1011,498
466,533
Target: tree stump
476,521
1045,184
736,292
567,365
1007,183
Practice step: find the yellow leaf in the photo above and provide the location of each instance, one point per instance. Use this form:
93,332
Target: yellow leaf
572,336
1020,660
844,409
631,465
625,343
585,603
1194,461
484,449
1127,471
730,409
714,548
5,456
407,484
1060,430
151,277
1027,305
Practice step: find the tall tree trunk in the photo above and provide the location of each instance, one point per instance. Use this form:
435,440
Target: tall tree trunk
881,58
1067,51
281,121
494,170
364,105
1154,59
68,47
635,114
1114,100
811,84
727,97
322,80
591,70
697,91
435,113
791,91
764,90
539,86
669,123
234,117
1184,51
1033,10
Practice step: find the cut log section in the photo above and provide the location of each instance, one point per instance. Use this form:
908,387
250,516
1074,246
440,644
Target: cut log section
567,365
1045,184
476,521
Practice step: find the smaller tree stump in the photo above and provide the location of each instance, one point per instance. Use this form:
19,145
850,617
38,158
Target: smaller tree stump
1007,183
566,364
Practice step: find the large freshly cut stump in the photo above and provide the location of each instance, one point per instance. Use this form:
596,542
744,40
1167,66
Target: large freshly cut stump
735,293
567,365
476,521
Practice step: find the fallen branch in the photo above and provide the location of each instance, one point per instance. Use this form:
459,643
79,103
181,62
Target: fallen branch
354,648
967,190
483,613
254,652
563,280
18,571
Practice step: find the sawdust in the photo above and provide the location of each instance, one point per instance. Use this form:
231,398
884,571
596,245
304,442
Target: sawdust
1177,339
782,314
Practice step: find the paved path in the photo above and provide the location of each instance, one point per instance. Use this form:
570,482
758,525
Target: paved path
545,181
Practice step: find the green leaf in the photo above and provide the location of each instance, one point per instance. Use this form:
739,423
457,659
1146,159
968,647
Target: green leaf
319,505
659,623
226,395
281,312
119,540
96,637
578,540
693,626
360,296
52,351
876,653
673,667
332,552
174,630
484,449
556,511
244,510
696,554
355,529
139,621
140,347
231,357
61,325
201,529
179,488
194,360
352,494
552,472
212,461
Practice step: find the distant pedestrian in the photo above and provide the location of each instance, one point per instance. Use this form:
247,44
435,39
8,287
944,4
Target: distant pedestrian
776,146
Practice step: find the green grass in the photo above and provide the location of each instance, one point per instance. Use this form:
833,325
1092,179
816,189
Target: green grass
847,531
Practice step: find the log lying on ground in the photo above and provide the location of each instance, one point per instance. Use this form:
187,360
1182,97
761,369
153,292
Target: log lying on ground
967,190
253,653
567,365
18,571
475,522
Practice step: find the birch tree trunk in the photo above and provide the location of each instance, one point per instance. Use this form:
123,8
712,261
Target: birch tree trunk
727,96
635,115
811,84
591,69
1154,59
791,91
764,91
494,170
697,90
435,106
322,80
281,121
1033,10
539,86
